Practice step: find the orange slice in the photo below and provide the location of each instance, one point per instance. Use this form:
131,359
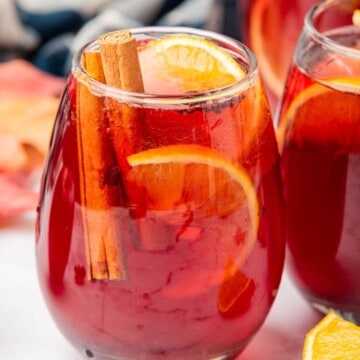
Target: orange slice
332,339
324,116
179,64
235,292
184,178
29,121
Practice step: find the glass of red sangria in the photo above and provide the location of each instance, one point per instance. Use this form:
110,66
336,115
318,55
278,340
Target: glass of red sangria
160,224
319,137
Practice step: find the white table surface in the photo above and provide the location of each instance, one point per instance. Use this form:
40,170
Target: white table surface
28,332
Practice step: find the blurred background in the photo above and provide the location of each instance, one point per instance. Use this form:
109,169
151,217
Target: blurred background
46,33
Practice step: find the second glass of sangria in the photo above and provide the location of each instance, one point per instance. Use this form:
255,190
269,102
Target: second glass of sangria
319,137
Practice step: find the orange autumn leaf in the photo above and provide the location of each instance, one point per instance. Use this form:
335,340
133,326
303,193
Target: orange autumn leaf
27,121
29,99
19,78
13,155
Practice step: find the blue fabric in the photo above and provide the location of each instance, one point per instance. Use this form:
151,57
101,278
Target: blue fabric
50,25
53,55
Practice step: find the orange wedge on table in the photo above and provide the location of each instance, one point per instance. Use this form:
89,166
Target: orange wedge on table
179,64
324,116
332,339
183,178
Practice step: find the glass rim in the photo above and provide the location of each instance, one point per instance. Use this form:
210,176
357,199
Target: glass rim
322,38
237,47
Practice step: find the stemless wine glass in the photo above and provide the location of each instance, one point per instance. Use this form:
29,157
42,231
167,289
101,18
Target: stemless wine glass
159,232
319,134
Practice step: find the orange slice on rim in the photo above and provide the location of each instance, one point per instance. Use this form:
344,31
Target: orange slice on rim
179,64
183,178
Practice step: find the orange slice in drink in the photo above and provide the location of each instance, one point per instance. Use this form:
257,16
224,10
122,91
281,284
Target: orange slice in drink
184,178
325,116
235,292
179,64
332,339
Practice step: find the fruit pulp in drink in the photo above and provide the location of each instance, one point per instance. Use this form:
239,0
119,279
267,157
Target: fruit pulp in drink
179,300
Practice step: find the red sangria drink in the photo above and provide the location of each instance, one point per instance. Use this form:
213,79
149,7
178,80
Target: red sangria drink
319,134
160,225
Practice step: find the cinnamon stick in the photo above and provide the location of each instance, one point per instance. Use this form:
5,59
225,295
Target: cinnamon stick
99,196
127,124
122,70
